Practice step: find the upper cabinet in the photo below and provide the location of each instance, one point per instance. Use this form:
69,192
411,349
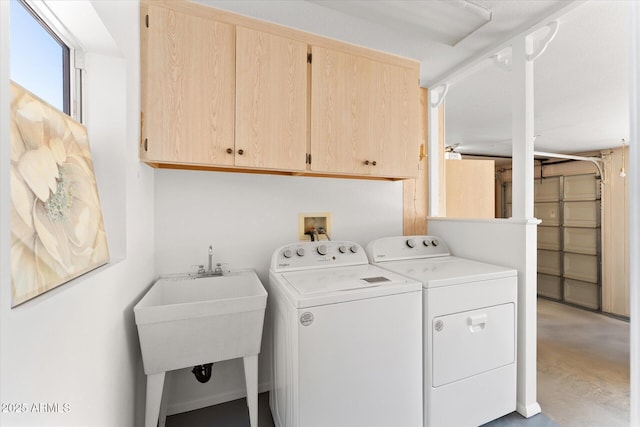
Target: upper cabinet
271,101
188,91
364,115
222,91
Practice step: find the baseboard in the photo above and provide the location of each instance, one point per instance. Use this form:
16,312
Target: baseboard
529,410
214,399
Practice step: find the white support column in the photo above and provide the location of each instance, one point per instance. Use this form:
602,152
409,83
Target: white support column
433,154
522,196
435,98
522,129
634,211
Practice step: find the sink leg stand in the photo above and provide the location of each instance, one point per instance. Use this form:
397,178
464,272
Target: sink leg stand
155,384
251,378
162,418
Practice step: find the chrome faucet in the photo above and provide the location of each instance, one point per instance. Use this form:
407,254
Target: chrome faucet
210,271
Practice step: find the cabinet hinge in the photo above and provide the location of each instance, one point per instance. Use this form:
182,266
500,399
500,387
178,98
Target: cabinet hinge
309,57
146,145
146,20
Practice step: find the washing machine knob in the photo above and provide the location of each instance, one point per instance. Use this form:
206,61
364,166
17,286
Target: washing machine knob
353,249
411,243
342,249
434,242
322,250
425,242
287,253
300,252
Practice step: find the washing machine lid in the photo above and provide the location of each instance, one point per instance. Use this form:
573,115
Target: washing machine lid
322,286
448,270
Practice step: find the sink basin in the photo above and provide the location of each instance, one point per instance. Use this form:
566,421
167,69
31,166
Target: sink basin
184,321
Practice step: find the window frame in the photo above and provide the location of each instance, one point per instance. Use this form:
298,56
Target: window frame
73,55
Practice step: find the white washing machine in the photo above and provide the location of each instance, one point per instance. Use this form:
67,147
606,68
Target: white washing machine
347,339
469,315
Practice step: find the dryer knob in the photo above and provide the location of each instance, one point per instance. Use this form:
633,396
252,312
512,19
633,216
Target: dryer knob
353,249
434,242
287,253
342,249
322,250
300,252
411,243
425,242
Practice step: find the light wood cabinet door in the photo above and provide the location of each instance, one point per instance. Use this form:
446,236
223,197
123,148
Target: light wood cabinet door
271,101
364,116
188,89
394,121
340,110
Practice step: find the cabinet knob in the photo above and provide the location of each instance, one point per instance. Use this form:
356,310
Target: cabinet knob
366,162
229,151
373,163
241,151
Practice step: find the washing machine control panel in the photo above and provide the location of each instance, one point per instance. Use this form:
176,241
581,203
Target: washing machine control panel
303,255
406,247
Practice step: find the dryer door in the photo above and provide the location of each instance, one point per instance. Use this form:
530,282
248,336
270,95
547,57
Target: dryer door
469,343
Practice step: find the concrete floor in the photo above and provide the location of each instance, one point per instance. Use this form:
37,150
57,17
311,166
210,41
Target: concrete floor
583,366
583,377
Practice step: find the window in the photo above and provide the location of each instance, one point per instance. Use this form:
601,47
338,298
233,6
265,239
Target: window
40,60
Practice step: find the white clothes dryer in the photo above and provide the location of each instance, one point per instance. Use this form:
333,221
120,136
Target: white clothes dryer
469,315
347,339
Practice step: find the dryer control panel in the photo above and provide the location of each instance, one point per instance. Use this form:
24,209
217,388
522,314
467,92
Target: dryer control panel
406,247
325,253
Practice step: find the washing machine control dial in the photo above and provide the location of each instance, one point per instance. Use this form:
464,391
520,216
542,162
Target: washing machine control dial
353,249
425,242
287,253
322,250
342,249
300,252
411,243
435,242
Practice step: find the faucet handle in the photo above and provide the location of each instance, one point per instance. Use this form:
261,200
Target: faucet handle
201,269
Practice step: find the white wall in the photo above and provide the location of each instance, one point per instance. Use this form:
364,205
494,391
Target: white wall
78,344
246,217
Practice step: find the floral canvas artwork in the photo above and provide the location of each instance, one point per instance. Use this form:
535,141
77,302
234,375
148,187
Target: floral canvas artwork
57,231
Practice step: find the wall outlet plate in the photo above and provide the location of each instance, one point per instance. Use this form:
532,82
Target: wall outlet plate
313,221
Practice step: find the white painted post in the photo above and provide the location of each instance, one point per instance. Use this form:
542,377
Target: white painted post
634,211
433,150
522,129
522,196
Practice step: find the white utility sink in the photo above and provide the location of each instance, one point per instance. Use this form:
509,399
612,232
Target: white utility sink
184,321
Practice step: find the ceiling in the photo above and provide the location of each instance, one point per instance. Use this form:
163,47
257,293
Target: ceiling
580,81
